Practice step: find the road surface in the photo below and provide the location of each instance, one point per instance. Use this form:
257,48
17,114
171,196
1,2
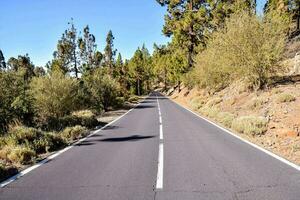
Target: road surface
159,151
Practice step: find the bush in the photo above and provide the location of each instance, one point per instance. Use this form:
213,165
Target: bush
214,102
133,99
285,97
21,155
250,125
197,102
4,151
103,89
210,112
86,118
54,96
23,135
257,103
247,48
225,118
119,102
54,142
72,133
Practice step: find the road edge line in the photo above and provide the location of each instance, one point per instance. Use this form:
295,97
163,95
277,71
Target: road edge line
57,153
287,162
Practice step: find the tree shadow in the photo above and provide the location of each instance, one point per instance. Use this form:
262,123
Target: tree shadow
131,138
144,106
111,127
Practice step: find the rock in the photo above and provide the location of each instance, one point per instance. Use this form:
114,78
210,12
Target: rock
296,69
288,133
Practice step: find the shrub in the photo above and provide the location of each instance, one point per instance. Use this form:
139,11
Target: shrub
210,112
225,118
73,133
257,103
119,102
86,118
103,89
214,102
22,135
4,151
250,125
197,102
285,97
133,99
83,114
54,142
247,48
21,155
54,96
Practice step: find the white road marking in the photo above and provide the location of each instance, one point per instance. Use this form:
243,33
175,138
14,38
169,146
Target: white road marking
160,164
159,180
297,167
161,135
29,169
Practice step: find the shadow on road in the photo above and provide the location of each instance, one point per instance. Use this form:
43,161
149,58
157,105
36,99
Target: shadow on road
132,138
111,127
144,106
125,139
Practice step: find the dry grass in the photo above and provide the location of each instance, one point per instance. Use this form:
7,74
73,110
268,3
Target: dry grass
285,97
250,125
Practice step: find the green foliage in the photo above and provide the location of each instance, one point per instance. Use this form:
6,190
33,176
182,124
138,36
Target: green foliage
225,118
119,102
103,89
197,102
140,71
73,133
246,48
109,51
89,57
54,96
210,112
133,99
86,118
285,97
250,125
257,102
2,61
65,57
21,155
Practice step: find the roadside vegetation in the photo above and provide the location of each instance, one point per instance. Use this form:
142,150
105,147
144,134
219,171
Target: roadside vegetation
236,67
221,48
43,109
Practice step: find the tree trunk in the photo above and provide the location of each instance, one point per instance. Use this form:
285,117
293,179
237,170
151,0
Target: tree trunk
138,87
75,64
165,78
298,18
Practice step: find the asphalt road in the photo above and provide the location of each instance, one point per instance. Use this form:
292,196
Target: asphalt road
200,161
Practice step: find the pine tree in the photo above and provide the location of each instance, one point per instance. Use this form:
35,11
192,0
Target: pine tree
2,61
87,49
109,51
65,57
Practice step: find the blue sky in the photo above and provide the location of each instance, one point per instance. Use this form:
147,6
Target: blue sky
34,26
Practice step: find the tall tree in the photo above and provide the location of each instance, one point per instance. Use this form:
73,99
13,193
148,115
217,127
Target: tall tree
87,49
2,61
190,22
137,70
109,51
66,54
